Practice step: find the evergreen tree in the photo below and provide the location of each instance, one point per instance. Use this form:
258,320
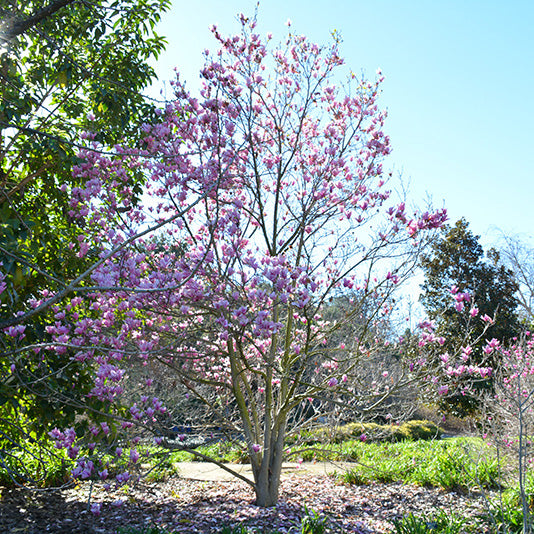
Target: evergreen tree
457,259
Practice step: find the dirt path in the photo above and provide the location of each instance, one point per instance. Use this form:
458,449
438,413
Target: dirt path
210,472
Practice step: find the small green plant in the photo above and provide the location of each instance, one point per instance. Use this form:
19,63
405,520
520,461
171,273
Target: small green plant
161,470
505,514
237,529
313,522
39,465
153,529
411,524
355,477
505,518
440,523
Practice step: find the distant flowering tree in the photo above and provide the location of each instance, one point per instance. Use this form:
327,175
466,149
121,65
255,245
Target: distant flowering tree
509,413
265,198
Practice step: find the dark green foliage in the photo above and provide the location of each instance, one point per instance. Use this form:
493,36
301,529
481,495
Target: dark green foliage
58,66
34,464
86,58
457,259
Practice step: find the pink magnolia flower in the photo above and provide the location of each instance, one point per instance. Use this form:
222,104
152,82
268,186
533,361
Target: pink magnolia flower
134,455
443,390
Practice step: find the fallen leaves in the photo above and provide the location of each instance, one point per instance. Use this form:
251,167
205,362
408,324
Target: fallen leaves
190,506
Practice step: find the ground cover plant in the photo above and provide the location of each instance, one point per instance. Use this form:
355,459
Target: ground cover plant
439,523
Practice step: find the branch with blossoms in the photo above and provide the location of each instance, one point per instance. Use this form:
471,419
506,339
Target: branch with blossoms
456,371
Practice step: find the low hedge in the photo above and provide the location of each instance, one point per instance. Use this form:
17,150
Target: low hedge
372,432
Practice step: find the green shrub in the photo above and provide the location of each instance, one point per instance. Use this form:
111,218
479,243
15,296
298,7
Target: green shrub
420,430
370,432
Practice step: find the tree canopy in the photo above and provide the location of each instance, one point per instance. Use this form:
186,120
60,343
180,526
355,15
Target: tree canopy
65,68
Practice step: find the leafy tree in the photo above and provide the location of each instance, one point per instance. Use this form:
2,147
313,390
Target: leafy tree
273,180
66,67
457,261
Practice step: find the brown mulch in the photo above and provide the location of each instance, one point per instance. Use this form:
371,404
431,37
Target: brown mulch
192,506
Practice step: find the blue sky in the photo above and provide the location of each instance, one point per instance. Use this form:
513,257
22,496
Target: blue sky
459,89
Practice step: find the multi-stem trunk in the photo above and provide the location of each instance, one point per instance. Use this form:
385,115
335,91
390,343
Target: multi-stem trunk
267,474
267,464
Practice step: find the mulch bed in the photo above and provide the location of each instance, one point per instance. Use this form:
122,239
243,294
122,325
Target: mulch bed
189,506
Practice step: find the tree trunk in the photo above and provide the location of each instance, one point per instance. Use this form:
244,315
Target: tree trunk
267,477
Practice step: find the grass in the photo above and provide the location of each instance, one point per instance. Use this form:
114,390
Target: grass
439,523
459,464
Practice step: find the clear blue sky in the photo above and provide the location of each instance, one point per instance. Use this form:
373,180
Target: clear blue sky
459,88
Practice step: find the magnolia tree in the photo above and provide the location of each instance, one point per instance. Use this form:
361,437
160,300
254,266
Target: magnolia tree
265,200
509,419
